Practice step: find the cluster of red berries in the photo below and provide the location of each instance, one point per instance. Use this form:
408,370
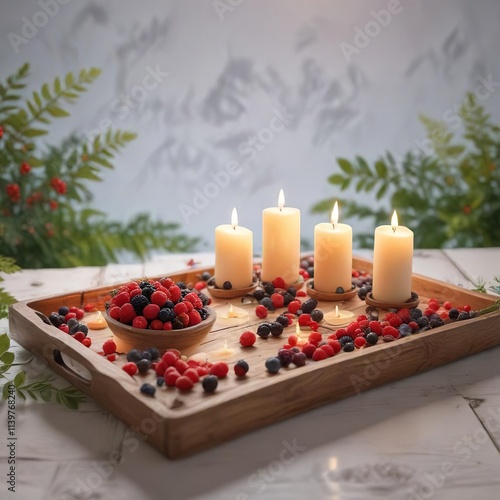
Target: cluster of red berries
13,192
58,185
25,168
67,319
1,132
34,198
158,305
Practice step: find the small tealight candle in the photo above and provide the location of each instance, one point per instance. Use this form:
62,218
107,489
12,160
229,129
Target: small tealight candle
302,339
339,317
224,352
233,315
99,323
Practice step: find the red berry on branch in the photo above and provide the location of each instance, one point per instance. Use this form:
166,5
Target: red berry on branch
1,132
53,204
24,168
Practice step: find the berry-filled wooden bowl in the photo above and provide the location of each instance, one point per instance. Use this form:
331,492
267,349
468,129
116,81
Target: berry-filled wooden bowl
141,338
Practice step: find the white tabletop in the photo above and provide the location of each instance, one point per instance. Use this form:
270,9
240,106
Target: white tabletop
433,435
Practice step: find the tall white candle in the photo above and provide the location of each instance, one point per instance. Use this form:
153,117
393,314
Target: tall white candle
332,255
281,242
392,263
233,254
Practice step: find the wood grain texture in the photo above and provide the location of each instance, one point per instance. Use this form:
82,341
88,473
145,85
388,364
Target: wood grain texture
179,424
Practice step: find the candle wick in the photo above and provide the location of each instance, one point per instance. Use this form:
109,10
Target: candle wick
333,225
393,229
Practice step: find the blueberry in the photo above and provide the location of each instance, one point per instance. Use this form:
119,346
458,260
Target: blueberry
309,305
55,319
72,321
267,303
203,313
339,290
63,310
243,367
264,330
146,355
134,356
405,330
75,327
155,353
160,381
317,315
310,271
283,320
276,328
83,328
453,313
205,276
148,389
143,365
285,356
227,285
287,298
259,294
205,299
210,383
422,322
168,304
296,349
299,359
273,365
345,340
349,347
372,338
269,288
362,292
299,312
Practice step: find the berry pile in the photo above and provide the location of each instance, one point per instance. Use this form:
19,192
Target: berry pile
158,305
67,319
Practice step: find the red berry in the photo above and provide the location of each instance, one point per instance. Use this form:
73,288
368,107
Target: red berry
330,351
111,357
290,318
130,368
158,298
184,318
219,369
316,336
109,347
247,339
294,306
160,368
304,274
87,341
184,383
127,313
88,307
200,285
361,318
447,305
167,325
413,325
293,339
134,292
171,378
79,336
140,322
181,366
309,349
80,313
202,371
194,318
429,311
175,293
433,304
192,374
278,300
279,282
390,330
467,308
261,311
120,299
156,324
351,328
114,312
170,369
69,316
167,282
404,314
180,308
301,293
194,299
64,328
304,319
337,347
151,311
170,358
444,315
319,354
360,342
313,325
396,321
341,332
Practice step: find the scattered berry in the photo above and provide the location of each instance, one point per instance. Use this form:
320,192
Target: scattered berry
210,383
261,311
219,369
130,368
247,339
109,347
273,365
184,383
241,368
148,389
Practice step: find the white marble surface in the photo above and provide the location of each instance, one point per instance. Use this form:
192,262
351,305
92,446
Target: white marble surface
434,435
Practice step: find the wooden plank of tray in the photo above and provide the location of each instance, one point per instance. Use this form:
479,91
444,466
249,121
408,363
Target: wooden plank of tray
179,424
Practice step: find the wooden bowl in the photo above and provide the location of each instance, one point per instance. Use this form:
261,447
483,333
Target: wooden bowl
328,296
410,303
221,293
140,338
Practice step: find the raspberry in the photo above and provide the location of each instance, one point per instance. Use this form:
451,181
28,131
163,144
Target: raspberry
167,325
181,366
247,339
447,305
335,344
192,374
316,336
151,311
360,342
202,371
241,368
279,282
80,313
330,351
364,324
79,336
308,349
200,285
171,378
140,322
64,328
444,315
120,299
219,369
184,318
175,293
180,308
111,357
114,312
261,311
405,315
109,347
158,298
130,368
319,354
341,332
127,313
352,327
294,306
304,274
194,299
69,316
278,300
467,308
160,368
390,330
194,318
170,369
304,319
156,324
361,318
293,339
87,341
433,304
429,312
413,325
88,307
396,321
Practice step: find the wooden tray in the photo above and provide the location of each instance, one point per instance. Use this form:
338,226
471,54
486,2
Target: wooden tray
180,424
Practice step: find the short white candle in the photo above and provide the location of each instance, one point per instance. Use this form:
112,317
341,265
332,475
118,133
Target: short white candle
233,254
332,255
281,242
392,263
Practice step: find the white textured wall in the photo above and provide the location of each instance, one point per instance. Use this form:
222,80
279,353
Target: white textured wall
225,78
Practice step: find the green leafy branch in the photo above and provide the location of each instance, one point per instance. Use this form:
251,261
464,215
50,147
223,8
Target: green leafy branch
7,266
39,389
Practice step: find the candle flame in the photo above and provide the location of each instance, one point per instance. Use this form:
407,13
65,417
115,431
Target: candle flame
394,221
335,214
231,313
337,315
225,348
99,318
281,199
234,218
297,329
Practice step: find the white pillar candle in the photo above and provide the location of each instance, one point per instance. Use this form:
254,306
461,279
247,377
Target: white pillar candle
281,242
332,255
392,263
233,254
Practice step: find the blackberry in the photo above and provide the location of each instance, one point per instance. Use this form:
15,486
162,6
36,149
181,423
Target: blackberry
144,284
63,310
143,365
434,323
259,294
473,314
147,291
203,313
139,302
55,319
362,292
205,300
291,290
276,329
169,305
349,347
287,297
177,324
453,313
267,303
210,383
181,285
264,330
166,315
434,317
205,276
416,313
339,290
134,356
317,315
269,288
227,285
372,338
285,356
283,320
463,315
422,322
345,340
148,389
184,292
309,305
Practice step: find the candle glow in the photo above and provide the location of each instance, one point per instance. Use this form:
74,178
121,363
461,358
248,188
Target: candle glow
234,218
281,200
394,221
335,214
